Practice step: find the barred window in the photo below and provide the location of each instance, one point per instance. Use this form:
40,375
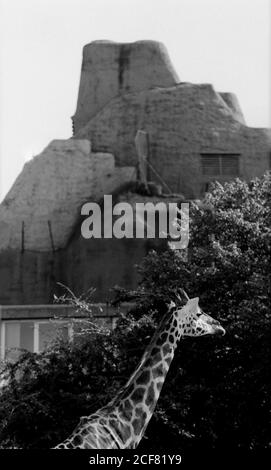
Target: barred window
214,164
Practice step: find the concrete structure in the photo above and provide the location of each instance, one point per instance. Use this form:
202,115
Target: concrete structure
193,135
190,130
31,276
41,209
110,69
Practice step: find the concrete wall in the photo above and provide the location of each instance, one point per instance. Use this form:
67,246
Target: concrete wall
28,277
182,122
31,277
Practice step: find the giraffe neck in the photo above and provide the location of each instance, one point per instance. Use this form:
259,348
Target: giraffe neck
135,403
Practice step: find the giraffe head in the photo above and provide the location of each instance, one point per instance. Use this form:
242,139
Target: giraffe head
194,322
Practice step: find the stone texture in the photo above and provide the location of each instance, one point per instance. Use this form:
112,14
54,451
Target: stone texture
141,144
110,68
52,187
31,277
233,103
182,122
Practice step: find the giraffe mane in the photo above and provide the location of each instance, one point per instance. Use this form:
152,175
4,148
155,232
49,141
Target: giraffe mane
166,318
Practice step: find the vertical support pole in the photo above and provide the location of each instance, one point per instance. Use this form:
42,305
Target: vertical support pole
51,235
3,337
70,331
22,243
141,143
36,337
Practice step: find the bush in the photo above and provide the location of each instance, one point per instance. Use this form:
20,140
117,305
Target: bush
221,394
48,392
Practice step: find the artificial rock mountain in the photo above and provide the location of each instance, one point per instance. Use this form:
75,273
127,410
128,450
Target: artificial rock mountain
194,134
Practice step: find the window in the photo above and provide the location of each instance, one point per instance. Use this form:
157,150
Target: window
33,336
48,332
214,164
12,340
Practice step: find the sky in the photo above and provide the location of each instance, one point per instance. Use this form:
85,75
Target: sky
223,42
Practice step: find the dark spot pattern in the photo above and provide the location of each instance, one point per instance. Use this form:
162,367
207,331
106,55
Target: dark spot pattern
136,423
144,377
125,431
126,409
69,445
150,396
140,413
162,338
149,362
158,371
155,351
115,425
167,349
128,405
77,440
138,395
126,415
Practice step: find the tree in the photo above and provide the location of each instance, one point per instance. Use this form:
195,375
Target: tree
223,393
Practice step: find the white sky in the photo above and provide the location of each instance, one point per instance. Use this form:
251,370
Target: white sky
223,42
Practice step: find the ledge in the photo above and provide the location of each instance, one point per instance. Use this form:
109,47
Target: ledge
50,311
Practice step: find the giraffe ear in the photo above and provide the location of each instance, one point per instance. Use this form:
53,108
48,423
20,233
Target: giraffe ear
171,305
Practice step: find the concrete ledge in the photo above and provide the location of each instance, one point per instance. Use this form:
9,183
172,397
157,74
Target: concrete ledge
31,312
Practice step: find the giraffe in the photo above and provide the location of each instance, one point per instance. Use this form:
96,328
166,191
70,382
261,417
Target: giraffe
122,422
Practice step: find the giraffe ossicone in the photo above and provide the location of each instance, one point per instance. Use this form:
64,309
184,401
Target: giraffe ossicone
121,424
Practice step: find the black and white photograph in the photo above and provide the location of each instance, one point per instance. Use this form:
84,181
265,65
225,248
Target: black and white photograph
135,230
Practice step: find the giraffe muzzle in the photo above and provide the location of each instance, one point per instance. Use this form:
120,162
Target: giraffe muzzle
219,330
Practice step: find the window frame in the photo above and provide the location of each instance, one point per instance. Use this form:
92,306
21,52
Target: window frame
36,332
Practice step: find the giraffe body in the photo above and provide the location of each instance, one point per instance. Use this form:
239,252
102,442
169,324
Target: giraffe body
122,422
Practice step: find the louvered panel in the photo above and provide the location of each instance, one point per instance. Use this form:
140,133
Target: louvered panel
229,165
210,165
220,164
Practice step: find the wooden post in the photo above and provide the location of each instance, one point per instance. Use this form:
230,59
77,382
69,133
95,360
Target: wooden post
3,337
141,143
51,235
22,243
36,338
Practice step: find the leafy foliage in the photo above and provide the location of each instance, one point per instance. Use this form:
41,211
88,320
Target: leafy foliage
218,389
221,394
